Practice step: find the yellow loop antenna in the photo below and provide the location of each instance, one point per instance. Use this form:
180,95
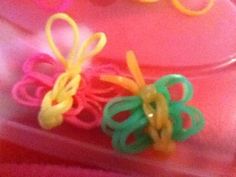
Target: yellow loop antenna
51,41
59,100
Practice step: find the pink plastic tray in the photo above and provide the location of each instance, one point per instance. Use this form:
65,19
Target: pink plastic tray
200,48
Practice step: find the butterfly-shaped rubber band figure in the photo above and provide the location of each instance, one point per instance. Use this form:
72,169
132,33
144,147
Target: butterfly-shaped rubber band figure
176,3
154,119
67,89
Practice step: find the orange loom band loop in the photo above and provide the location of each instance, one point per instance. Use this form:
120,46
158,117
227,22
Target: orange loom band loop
178,5
134,86
135,69
124,82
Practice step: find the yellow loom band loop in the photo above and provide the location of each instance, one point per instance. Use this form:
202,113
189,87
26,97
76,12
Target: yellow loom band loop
135,69
51,42
160,127
87,50
52,116
178,5
58,101
159,115
66,85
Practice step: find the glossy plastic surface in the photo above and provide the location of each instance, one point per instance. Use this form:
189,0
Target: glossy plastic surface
210,153
158,33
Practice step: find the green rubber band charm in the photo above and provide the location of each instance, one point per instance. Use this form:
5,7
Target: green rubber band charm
136,122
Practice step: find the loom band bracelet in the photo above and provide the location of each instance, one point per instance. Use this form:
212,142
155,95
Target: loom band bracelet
197,121
178,5
141,139
119,105
167,81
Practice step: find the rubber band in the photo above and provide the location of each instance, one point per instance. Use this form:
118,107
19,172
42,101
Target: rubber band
89,100
180,7
158,117
153,117
52,44
134,69
180,133
167,81
59,100
126,83
64,93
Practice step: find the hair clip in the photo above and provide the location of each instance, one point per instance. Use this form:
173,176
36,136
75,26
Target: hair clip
179,6
62,90
152,118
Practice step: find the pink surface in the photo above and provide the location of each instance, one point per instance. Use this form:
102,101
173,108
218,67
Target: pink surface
167,38
157,32
55,5
31,170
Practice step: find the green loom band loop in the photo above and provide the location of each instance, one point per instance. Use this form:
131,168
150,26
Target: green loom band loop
135,125
165,82
118,105
141,142
136,122
197,121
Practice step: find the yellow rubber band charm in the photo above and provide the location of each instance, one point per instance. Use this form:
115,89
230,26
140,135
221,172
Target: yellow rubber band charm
59,100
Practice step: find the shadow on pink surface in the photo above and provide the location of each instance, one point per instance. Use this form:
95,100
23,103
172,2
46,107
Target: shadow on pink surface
30,170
